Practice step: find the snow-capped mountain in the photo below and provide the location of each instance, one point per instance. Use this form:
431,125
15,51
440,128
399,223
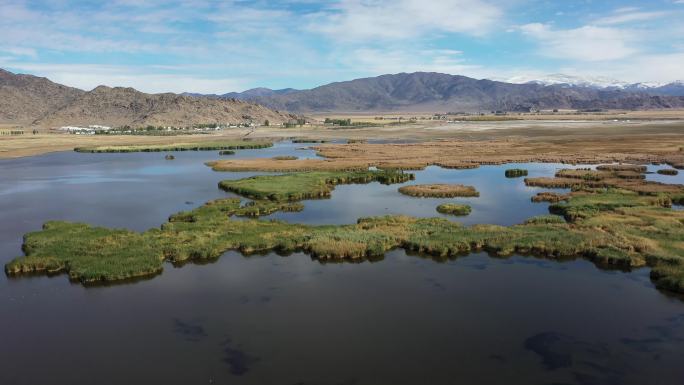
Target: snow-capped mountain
675,88
571,80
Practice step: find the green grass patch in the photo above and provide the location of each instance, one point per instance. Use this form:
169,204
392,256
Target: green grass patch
515,173
454,209
609,227
306,185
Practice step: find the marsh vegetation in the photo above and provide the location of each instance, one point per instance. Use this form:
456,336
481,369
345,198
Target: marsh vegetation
515,173
198,146
611,227
306,185
454,209
668,171
439,190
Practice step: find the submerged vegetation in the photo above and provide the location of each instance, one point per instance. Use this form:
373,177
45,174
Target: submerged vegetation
306,185
515,172
439,190
454,209
198,146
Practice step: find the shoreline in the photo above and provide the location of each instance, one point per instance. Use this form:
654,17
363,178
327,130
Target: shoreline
526,130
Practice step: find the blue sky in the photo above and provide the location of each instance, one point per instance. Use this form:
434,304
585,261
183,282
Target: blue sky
220,46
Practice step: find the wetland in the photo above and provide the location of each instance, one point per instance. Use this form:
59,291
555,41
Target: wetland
242,275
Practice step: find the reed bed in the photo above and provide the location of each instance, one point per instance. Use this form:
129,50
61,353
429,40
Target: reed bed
668,171
610,176
545,220
609,227
297,165
439,190
547,196
199,146
306,185
515,173
454,209
622,167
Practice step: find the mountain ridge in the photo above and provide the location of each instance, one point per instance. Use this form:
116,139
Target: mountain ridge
435,92
31,100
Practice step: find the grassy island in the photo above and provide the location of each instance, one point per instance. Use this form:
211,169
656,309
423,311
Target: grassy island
454,209
547,196
668,171
610,227
198,146
515,172
612,176
439,190
306,185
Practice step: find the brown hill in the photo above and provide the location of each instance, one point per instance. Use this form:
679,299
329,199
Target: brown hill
27,99
125,106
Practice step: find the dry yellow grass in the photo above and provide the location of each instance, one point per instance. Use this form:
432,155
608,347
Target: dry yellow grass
439,190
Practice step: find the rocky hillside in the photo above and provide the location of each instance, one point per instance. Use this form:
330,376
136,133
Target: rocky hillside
125,106
435,92
25,98
31,100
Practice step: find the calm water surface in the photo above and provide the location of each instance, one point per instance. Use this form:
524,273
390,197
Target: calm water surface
289,320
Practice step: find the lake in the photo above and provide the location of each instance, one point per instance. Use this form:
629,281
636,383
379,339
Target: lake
272,319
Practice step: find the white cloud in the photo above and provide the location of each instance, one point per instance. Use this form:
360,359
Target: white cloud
659,68
370,61
89,76
586,43
352,20
19,51
621,17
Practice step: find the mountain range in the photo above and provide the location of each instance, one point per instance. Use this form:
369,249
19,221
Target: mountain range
437,92
32,100
675,88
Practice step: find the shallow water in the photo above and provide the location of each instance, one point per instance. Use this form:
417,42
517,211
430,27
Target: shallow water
287,320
